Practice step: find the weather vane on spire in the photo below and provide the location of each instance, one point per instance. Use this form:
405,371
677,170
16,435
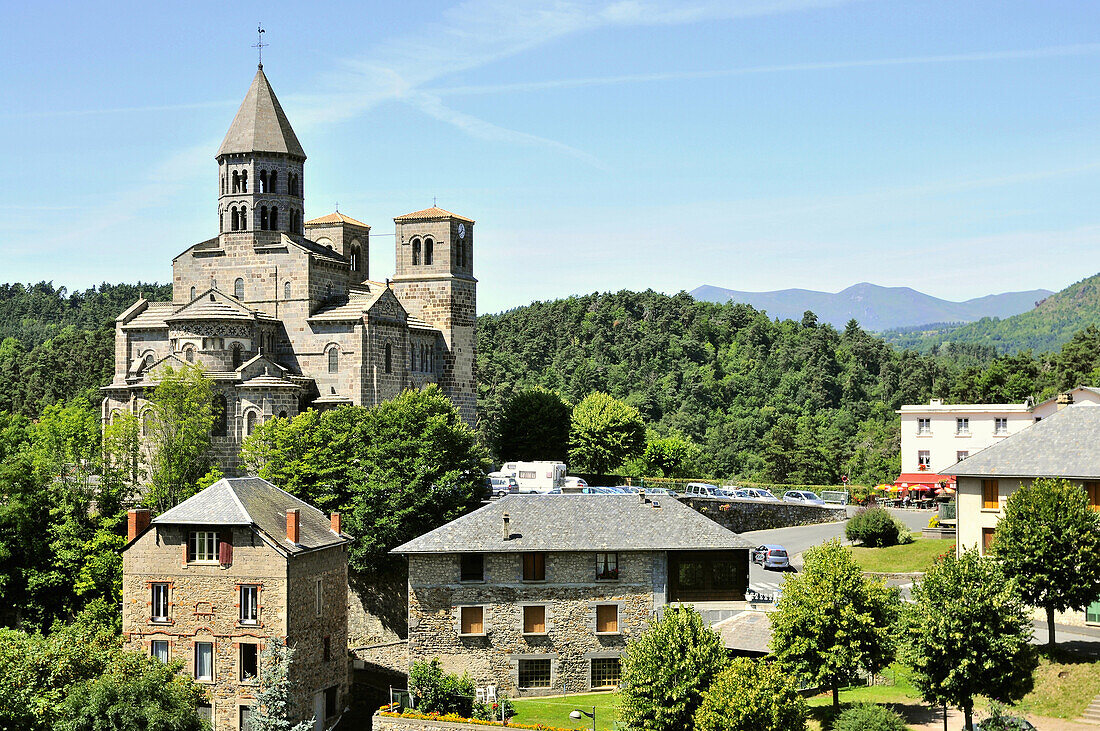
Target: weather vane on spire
259,44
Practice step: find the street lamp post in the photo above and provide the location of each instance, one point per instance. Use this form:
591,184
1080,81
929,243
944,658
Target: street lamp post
578,715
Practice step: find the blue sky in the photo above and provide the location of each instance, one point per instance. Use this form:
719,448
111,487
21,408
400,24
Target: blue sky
754,144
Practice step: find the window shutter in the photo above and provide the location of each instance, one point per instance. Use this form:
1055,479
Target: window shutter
189,547
225,549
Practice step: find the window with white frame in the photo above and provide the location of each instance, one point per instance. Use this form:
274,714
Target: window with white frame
159,649
1000,425
962,425
159,602
924,426
202,545
960,456
250,604
924,459
204,661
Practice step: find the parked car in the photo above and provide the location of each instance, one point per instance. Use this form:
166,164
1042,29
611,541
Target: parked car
734,492
574,482
1010,723
802,496
756,493
660,491
771,556
702,489
496,486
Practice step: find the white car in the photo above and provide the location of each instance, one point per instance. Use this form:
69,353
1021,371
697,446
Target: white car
755,493
702,489
574,482
802,496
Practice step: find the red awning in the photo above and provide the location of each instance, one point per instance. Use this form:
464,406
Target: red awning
931,479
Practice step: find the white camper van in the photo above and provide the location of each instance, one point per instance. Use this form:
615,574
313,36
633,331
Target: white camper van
536,476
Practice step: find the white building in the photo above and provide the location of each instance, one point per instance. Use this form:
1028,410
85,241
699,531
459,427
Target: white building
936,435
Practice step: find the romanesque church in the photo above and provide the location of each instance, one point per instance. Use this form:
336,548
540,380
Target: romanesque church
281,312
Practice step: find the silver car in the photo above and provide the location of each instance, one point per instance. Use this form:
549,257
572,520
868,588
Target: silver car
802,496
771,556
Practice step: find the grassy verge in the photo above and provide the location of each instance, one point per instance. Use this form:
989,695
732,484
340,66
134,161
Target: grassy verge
916,556
554,711
1064,686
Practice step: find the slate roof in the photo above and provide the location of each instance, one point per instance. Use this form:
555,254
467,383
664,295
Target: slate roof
260,124
151,318
337,217
252,501
1061,445
749,631
356,305
577,522
214,305
428,214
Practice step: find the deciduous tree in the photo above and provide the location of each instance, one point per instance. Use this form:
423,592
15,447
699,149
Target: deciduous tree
667,669
1048,540
968,633
832,622
605,432
534,426
179,425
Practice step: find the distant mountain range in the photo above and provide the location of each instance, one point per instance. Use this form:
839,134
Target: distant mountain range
1046,327
875,307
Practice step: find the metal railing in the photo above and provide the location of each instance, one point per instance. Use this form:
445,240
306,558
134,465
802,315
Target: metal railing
947,511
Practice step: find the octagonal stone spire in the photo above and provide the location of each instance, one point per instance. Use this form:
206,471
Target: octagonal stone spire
260,124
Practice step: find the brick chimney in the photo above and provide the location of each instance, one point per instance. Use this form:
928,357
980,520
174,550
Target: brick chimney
507,527
334,523
1064,400
137,520
293,524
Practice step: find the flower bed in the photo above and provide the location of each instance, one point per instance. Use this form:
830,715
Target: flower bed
394,711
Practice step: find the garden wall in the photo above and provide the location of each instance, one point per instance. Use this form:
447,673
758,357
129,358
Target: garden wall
740,516
395,723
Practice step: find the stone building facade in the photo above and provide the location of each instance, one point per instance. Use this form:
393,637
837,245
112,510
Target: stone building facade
281,312
212,580
540,594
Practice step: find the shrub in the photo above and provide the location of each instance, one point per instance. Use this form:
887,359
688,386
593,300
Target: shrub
869,717
905,536
873,527
934,521
440,692
751,695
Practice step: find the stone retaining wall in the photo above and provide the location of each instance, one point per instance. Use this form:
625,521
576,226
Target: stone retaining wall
740,516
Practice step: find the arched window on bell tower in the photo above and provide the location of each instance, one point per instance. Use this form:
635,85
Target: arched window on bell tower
416,252
236,181
273,219
263,182
233,222
244,218
244,181
429,251
272,181
355,254
263,218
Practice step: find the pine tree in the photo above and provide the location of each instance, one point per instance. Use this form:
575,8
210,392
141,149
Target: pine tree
270,711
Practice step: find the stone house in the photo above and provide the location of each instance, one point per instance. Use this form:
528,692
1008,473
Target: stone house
1062,445
540,594
211,580
281,312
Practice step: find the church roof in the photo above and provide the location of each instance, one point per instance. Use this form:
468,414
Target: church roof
214,305
431,214
260,124
336,217
359,301
151,318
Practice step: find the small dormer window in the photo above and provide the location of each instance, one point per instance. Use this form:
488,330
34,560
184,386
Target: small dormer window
202,546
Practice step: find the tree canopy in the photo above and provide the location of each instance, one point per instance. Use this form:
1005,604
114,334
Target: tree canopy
667,669
968,633
605,432
832,622
1048,540
751,695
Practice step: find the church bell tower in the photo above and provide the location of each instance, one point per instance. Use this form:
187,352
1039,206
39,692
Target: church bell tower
260,169
435,283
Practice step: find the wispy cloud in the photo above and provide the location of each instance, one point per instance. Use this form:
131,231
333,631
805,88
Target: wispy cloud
116,110
1032,53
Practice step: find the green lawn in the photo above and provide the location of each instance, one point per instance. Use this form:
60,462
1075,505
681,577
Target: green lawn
554,711
1064,686
916,556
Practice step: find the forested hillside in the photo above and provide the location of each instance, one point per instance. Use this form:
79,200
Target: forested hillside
779,400
1044,329
786,401
55,345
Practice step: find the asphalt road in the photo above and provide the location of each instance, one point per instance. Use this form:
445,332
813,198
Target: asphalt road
797,539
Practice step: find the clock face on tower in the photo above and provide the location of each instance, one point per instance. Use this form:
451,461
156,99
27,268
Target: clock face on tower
461,230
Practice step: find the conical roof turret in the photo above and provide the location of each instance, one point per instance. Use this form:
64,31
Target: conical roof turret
260,124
